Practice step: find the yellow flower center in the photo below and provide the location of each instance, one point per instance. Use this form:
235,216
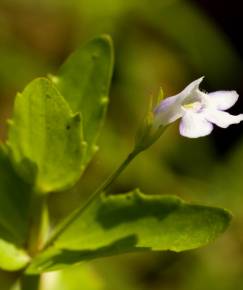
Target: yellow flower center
195,106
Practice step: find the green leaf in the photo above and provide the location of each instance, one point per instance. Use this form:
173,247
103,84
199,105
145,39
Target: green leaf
132,222
14,200
45,138
14,209
84,81
11,257
80,277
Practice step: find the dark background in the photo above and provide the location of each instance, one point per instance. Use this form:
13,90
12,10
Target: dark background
228,16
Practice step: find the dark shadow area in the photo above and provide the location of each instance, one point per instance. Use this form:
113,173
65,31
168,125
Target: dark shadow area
129,208
14,203
59,258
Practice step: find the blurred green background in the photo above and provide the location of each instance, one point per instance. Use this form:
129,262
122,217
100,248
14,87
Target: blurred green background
164,43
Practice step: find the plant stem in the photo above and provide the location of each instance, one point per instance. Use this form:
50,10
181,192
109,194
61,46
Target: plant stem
63,226
39,222
37,236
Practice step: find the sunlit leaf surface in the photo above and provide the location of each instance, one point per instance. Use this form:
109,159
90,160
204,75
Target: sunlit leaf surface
45,138
84,81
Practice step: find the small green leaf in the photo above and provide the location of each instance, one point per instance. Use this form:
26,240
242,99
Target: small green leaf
84,81
14,201
45,138
14,209
132,222
11,257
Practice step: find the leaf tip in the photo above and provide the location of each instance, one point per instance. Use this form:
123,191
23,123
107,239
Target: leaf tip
104,100
76,117
53,78
106,38
228,216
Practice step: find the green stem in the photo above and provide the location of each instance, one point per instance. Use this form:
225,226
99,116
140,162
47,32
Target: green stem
37,236
66,223
38,224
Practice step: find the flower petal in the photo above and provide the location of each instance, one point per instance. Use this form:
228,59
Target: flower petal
194,125
168,111
165,104
222,119
190,90
223,100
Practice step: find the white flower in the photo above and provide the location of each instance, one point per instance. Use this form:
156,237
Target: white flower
198,110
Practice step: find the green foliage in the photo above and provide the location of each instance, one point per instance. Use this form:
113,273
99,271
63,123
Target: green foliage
84,81
11,257
183,226
14,201
133,222
14,204
70,278
45,138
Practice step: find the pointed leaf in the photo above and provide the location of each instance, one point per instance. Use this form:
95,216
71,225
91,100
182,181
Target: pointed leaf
84,81
132,222
45,138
